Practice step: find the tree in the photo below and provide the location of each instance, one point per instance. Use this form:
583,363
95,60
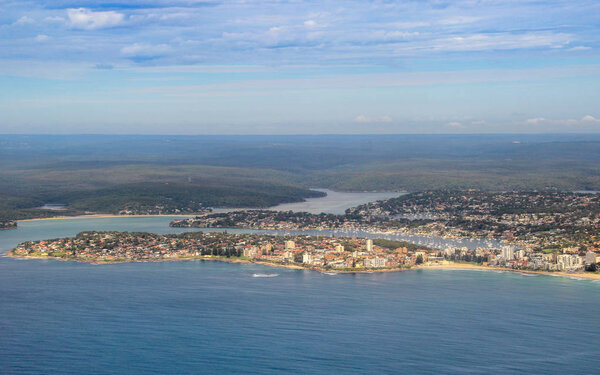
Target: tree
419,260
592,267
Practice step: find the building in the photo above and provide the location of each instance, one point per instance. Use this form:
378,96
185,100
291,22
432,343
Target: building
375,262
369,245
338,264
590,257
339,248
421,254
568,262
267,248
508,253
290,245
306,257
250,251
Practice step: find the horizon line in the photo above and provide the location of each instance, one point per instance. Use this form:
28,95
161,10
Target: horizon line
289,134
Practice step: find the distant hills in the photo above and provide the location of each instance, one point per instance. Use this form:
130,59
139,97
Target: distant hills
103,173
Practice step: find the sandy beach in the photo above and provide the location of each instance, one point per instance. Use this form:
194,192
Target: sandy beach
98,216
467,266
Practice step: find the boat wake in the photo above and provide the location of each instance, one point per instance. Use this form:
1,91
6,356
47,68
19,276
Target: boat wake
265,274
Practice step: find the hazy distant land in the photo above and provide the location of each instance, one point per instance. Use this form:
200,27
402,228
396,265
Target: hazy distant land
185,174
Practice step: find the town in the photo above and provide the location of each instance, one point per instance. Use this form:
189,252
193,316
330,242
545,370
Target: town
317,252
541,230
336,254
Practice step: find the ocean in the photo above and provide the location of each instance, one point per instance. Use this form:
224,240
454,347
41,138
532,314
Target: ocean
208,317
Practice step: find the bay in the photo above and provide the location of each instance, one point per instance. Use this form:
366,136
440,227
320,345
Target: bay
334,202
203,317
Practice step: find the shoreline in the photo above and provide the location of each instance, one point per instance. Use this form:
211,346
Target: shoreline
453,266
100,216
468,266
369,231
10,254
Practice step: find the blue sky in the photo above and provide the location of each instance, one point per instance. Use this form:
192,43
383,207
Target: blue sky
291,67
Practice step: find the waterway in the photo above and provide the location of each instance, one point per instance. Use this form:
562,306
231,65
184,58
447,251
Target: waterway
334,202
203,317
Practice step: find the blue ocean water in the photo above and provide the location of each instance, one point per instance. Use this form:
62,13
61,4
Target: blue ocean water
202,317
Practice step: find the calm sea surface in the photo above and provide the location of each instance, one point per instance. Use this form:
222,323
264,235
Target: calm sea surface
334,203
201,317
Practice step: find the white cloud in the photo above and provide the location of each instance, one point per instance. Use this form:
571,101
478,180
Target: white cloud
365,119
590,118
54,19
389,80
42,38
145,50
547,121
392,35
410,25
580,48
82,18
535,121
501,41
310,24
455,125
459,20
24,21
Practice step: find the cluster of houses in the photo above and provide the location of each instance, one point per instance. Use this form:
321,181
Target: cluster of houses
566,259
311,251
332,253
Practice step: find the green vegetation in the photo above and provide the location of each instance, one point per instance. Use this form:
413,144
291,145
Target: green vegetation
156,190
7,224
171,174
551,251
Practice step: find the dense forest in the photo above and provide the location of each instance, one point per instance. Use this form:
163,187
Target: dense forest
170,174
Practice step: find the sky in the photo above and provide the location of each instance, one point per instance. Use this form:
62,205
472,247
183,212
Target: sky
299,67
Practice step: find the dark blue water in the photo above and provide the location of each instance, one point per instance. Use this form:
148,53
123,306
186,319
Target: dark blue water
211,317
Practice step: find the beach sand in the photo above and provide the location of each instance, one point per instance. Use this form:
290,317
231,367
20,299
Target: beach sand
98,216
467,266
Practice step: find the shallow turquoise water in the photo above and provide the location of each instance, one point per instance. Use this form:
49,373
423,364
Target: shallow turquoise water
201,317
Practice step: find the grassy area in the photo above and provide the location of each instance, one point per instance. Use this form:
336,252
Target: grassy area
553,250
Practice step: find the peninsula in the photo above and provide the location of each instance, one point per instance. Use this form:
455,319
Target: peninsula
544,231
326,254
310,252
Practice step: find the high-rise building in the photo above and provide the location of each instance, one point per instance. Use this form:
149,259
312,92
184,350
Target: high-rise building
290,245
369,245
508,253
590,257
